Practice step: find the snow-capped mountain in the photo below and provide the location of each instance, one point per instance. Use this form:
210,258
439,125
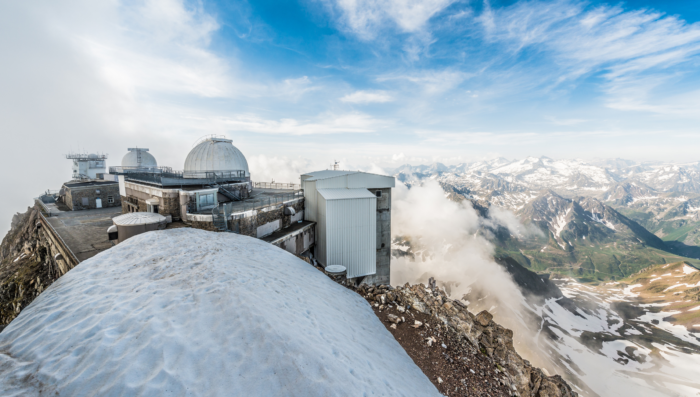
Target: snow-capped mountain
512,184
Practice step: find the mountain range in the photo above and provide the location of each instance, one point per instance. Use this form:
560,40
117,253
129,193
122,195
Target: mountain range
599,220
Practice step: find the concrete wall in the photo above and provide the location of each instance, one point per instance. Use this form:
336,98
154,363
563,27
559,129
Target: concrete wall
298,242
383,238
74,196
250,222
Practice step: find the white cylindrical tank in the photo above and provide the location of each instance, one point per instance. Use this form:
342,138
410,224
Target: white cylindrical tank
129,225
216,155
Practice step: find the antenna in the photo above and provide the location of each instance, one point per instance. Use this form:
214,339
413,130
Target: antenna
335,165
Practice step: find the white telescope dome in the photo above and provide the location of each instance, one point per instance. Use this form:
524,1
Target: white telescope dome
139,158
215,155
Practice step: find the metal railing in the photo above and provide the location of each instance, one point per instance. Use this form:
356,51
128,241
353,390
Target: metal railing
258,203
274,185
138,169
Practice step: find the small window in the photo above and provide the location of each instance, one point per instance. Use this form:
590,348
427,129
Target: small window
97,191
378,193
110,199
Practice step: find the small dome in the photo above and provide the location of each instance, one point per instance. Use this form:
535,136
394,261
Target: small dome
139,157
214,155
92,156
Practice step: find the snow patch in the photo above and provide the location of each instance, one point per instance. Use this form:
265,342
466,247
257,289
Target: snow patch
189,312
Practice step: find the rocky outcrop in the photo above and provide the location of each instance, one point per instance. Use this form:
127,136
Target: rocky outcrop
28,264
473,332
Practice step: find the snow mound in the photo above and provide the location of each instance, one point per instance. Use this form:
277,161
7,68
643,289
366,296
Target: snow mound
186,312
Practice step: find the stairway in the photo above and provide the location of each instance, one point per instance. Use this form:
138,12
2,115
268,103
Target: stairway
219,219
230,194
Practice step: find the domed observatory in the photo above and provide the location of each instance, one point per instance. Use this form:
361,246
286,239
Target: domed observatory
216,158
139,159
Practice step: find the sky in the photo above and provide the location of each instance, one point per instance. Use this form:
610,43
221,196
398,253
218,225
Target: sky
297,85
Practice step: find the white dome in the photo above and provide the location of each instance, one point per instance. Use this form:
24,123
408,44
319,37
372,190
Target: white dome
92,156
214,155
139,157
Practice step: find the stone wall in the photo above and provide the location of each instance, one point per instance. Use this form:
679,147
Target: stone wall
74,196
32,257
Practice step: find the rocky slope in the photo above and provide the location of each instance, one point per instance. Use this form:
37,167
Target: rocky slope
475,355
27,265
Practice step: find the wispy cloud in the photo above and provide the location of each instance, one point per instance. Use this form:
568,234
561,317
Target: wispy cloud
582,40
368,97
324,124
365,18
431,81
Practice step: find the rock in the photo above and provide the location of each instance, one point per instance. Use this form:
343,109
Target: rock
417,324
393,326
430,341
394,318
484,318
401,309
439,380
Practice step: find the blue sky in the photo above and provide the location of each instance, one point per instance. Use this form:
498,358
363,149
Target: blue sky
297,85
449,80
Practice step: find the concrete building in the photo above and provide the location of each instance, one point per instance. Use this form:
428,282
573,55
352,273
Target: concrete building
83,195
87,166
214,192
352,210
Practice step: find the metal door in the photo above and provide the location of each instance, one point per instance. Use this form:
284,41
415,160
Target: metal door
98,203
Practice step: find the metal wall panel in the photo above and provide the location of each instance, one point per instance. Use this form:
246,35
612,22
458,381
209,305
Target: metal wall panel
310,201
332,183
365,180
321,228
350,235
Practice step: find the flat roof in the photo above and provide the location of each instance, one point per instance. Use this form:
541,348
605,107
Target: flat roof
343,194
89,183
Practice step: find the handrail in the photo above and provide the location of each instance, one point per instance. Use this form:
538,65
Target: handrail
55,233
47,209
274,185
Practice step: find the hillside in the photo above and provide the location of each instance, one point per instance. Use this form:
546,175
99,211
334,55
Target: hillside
26,266
586,239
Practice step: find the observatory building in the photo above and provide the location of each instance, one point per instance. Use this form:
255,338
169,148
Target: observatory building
87,166
338,217
138,159
214,172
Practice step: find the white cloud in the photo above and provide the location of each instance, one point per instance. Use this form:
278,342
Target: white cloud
398,157
367,97
324,124
581,39
431,81
365,18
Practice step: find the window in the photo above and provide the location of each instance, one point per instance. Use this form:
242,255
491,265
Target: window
97,191
110,199
206,200
378,193
85,201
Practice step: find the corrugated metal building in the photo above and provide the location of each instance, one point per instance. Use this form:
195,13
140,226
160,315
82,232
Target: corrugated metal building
352,211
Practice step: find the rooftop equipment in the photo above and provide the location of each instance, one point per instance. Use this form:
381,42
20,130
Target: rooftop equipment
87,166
132,224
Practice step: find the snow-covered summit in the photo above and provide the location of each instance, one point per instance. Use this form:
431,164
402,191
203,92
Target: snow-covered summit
192,313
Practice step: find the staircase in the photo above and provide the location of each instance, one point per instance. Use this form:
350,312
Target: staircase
219,219
230,194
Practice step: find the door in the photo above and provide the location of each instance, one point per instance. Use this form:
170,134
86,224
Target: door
98,203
